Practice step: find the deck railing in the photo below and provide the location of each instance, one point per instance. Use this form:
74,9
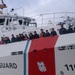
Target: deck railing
52,18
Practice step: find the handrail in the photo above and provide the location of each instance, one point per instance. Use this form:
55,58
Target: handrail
57,16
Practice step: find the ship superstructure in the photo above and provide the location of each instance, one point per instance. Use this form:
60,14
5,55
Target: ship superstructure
47,55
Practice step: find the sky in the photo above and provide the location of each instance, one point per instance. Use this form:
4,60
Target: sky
35,7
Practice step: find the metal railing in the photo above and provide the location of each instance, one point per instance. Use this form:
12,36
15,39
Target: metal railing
52,18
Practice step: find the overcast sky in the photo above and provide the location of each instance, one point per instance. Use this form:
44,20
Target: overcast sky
33,7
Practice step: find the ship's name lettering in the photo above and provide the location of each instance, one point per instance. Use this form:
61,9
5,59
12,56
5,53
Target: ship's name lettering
8,65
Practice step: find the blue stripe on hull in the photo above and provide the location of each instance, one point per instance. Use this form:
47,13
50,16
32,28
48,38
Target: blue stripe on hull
25,57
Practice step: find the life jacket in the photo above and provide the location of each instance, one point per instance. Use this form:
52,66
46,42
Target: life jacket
1,42
25,38
41,35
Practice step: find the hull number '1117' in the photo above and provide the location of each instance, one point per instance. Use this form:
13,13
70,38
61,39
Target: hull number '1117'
70,67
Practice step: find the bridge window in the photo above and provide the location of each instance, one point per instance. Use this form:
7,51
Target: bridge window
14,19
24,22
20,22
10,19
7,22
2,21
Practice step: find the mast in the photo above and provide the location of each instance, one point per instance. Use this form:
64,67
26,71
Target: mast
2,2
